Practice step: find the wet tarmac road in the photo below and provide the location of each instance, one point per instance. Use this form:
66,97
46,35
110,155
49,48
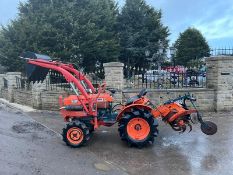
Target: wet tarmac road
172,153
28,148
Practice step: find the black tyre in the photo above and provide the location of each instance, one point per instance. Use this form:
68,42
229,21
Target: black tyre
76,134
209,128
90,127
138,128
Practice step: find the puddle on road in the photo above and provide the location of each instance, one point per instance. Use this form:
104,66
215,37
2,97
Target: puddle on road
167,142
27,127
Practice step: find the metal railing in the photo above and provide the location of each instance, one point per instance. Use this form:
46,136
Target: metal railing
23,83
56,81
96,77
222,51
167,80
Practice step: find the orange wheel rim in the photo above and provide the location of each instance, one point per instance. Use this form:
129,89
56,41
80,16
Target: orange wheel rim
138,128
75,135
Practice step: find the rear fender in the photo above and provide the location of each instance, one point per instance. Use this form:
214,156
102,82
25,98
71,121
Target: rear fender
139,106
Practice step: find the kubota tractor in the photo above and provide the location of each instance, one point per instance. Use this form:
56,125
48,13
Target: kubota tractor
88,109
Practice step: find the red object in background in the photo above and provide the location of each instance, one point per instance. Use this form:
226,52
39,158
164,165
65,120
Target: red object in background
176,69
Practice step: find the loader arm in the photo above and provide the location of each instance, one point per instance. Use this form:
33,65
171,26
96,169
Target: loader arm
78,75
70,68
69,78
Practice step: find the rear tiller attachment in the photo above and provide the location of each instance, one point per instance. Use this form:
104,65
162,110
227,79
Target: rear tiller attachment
176,113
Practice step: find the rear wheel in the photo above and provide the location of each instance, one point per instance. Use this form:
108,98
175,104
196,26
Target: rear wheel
138,128
76,134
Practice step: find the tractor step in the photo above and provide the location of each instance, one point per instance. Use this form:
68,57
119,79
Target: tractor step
110,121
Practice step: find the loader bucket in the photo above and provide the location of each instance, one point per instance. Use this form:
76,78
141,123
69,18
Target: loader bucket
35,73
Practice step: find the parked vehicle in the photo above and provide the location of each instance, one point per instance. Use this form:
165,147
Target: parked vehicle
155,75
194,78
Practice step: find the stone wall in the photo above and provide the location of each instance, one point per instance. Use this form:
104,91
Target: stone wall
114,78
38,97
1,80
4,94
114,74
216,97
23,97
220,78
205,97
50,100
11,82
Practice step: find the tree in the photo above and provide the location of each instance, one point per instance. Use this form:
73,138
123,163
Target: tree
191,47
77,31
141,30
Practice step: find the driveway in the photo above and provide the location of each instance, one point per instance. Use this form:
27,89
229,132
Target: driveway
42,151
191,153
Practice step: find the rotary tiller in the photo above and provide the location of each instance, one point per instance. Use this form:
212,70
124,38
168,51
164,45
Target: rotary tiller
88,109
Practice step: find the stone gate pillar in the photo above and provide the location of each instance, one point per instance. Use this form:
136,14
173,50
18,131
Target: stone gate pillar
37,89
11,80
114,78
220,77
1,80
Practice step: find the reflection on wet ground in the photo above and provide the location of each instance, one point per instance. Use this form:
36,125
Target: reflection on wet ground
172,153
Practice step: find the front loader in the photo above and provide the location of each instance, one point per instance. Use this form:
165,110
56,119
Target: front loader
88,108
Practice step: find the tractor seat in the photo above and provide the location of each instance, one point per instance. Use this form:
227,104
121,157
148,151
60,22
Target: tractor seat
73,108
131,100
113,91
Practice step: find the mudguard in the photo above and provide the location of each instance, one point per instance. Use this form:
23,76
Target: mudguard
127,108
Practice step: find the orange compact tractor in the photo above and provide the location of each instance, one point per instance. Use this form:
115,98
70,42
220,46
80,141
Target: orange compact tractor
88,109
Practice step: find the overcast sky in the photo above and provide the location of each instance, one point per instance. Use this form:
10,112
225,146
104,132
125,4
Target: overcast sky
213,18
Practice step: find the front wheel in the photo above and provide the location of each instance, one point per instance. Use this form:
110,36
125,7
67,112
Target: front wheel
138,128
76,134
